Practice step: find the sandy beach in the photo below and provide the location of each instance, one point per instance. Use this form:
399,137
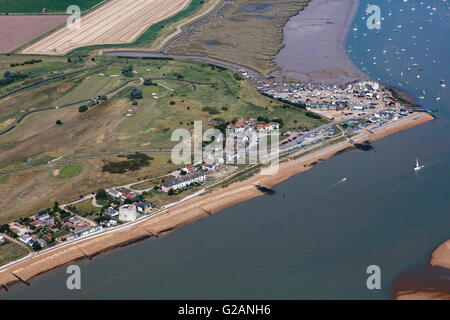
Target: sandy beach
441,256
433,288
184,213
314,44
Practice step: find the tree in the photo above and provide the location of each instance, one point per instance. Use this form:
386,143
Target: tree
136,93
58,122
83,108
36,246
171,192
101,195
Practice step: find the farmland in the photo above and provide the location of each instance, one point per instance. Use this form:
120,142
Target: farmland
16,31
186,92
115,22
36,6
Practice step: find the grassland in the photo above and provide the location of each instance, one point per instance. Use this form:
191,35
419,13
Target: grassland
10,251
185,91
223,37
69,171
87,207
35,6
157,34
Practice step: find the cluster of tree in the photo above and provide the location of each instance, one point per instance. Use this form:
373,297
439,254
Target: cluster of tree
136,93
33,61
237,77
6,230
211,110
127,71
148,82
11,76
313,115
135,162
85,107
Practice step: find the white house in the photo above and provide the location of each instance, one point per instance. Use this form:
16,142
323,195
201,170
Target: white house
184,181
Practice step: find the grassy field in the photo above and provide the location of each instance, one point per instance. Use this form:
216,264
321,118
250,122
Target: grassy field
222,37
87,207
106,128
35,6
11,251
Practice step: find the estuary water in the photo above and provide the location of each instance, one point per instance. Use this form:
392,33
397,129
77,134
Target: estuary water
316,236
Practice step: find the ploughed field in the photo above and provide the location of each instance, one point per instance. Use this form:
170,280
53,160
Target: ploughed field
16,31
36,6
115,22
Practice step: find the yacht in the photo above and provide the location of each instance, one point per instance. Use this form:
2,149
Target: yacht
418,166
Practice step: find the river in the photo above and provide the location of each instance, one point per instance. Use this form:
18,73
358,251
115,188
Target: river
315,237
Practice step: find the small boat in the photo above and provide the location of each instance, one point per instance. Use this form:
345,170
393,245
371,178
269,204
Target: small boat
418,166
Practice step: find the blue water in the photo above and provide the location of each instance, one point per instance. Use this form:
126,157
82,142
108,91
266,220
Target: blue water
315,237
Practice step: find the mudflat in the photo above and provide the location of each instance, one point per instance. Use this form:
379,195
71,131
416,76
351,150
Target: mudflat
314,44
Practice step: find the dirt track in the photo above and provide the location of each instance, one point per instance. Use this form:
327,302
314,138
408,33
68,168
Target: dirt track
116,22
15,31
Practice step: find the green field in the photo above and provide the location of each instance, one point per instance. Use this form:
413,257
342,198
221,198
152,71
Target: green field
35,6
70,171
11,251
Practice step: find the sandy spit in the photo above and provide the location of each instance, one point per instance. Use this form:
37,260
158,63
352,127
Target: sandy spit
441,256
182,214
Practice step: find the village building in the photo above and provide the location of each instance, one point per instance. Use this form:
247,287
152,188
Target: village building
19,229
183,181
144,207
115,194
209,165
111,212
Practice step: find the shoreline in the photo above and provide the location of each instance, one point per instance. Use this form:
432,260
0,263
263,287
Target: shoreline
438,262
185,213
318,34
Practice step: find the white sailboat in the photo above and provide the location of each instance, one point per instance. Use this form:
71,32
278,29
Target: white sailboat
418,166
